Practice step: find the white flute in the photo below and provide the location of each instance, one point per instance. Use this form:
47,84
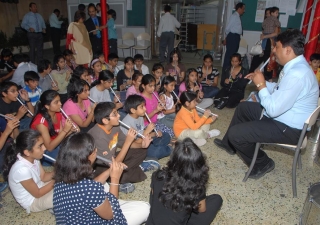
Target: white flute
231,73
115,95
54,83
201,109
25,106
159,100
7,117
128,127
49,157
261,68
151,122
91,99
175,95
67,117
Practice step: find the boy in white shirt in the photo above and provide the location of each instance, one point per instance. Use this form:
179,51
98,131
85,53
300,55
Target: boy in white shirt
138,64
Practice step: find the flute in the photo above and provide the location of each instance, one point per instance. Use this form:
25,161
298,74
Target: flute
49,157
54,83
159,100
151,122
67,117
231,73
127,126
201,109
207,75
91,99
7,117
261,68
25,106
175,95
115,95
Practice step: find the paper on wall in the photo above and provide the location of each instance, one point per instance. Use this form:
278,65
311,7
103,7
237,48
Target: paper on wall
283,18
271,3
261,5
129,4
287,5
301,6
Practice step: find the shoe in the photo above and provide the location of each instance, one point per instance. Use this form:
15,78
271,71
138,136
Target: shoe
219,143
213,133
126,188
257,173
3,186
199,141
149,165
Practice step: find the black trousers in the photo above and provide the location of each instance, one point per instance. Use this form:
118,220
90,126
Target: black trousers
55,38
213,205
245,130
166,40
113,46
232,46
35,42
257,60
234,97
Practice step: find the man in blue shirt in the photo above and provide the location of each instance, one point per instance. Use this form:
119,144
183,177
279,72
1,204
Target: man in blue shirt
55,29
34,24
233,32
93,25
287,103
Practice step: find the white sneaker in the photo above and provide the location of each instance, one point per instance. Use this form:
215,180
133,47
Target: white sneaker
213,133
199,141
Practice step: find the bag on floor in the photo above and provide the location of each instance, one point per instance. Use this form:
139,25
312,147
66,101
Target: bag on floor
256,49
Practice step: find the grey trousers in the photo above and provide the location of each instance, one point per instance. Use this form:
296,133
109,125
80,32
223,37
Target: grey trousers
35,42
166,39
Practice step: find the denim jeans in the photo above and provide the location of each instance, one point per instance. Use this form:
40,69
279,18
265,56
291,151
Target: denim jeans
159,147
25,123
167,120
53,154
209,91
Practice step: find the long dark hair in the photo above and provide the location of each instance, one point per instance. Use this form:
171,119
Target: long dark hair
186,96
186,79
146,79
77,72
75,88
72,163
45,99
185,177
56,59
104,75
165,81
25,141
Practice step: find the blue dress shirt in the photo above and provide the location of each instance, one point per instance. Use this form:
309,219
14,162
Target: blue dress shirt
54,21
295,98
33,20
234,25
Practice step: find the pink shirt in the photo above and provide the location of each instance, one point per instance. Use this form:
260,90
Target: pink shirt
72,108
183,88
132,91
151,104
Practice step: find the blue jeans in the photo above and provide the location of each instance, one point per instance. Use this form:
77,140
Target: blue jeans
167,120
209,91
159,147
25,123
53,154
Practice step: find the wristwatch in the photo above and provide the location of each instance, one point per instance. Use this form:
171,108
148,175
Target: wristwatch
258,85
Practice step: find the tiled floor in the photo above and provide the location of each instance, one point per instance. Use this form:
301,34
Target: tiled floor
264,201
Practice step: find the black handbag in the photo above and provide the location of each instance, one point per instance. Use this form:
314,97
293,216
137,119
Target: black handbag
221,103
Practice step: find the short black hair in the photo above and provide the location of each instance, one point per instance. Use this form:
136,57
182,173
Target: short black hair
18,58
26,58
31,3
274,9
293,38
92,5
4,87
97,54
314,56
112,56
132,102
103,111
43,65
138,57
6,53
31,76
239,5
78,15
157,66
78,71
56,11
81,7
67,52
112,13
167,8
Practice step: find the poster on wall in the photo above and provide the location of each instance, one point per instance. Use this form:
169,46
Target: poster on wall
261,5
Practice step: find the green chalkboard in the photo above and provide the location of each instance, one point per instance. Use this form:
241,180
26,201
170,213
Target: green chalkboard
249,17
137,16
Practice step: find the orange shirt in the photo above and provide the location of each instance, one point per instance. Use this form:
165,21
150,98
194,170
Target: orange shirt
186,119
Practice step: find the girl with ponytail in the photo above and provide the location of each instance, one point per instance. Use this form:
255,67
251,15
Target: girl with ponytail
48,121
30,185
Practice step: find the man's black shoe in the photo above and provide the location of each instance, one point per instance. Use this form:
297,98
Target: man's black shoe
219,143
257,173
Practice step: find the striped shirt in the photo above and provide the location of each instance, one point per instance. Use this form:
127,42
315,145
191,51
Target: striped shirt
34,95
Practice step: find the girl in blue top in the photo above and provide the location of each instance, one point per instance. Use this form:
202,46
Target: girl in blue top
112,33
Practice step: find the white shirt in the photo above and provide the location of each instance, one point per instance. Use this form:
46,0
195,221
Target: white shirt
100,96
144,68
18,75
234,25
54,21
22,170
168,23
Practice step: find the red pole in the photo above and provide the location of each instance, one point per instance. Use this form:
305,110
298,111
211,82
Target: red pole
306,18
104,20
311,45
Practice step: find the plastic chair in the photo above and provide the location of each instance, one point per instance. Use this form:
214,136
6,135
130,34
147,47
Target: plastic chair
143,43
302,143
127,42
243,47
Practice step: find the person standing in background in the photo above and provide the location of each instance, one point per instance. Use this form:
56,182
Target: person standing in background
93,26
55,28
34,24
233,32
166,29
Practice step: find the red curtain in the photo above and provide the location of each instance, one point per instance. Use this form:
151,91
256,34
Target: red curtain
306,18
104,20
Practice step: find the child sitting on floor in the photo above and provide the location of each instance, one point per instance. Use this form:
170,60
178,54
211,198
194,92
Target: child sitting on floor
189,124
138,64
31,80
